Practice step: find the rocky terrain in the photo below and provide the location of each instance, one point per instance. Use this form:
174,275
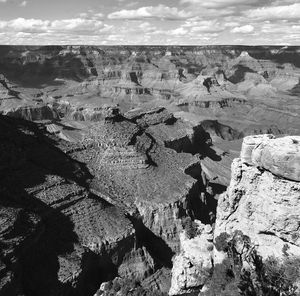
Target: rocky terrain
264,194
122,168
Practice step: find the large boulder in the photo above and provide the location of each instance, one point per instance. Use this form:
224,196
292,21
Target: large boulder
280,156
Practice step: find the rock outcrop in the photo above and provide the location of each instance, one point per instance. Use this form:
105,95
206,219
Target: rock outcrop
133,169
32,113
192,266
14,103
263,197
279,156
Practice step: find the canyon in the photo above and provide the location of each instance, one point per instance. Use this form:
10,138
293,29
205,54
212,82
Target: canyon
121,167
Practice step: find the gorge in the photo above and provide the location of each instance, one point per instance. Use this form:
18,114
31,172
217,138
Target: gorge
122,173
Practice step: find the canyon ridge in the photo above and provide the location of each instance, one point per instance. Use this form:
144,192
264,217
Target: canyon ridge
149,170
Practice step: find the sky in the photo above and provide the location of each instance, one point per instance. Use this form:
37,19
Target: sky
152,22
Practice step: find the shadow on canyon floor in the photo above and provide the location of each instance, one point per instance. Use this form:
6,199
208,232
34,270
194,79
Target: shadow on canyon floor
156,246
27,159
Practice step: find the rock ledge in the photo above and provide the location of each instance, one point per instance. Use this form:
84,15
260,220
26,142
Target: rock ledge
280,156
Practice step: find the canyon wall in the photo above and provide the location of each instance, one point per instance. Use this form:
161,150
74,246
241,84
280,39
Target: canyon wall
263,197
119,178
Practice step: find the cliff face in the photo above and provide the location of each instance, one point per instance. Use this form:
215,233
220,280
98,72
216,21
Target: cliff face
263,197
132,169
193,264
13,103
261,203
56,237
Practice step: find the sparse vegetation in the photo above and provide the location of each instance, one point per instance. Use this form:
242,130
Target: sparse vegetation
221,242
271,277
190,227
280,278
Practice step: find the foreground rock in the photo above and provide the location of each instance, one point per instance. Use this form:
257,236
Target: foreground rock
279,156
263,197
192,266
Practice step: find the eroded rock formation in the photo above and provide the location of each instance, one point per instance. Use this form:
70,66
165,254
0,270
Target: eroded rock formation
192,266
262,199
130,142
54,233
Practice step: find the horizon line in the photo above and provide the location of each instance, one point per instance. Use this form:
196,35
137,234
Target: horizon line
156,45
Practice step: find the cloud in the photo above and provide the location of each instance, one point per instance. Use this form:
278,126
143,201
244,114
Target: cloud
24,25
225,3
231,24
243,29
146,27
207,26
71,26
77,25
3,1
178,32
150,12
196,22
23,4
277,12
285,29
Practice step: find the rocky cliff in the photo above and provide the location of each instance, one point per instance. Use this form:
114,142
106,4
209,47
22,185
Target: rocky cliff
128,144
257,219
55,235
194,263
105,202
263,197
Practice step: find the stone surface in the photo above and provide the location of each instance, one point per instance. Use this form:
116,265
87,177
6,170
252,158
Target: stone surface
192,266
280,156
263,206
249,143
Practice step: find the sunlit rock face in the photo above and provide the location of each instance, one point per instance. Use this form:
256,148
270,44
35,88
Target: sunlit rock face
279,156
262,199
134,170
192,266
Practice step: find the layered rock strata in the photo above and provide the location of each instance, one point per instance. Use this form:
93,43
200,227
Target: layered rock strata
133,169
55,236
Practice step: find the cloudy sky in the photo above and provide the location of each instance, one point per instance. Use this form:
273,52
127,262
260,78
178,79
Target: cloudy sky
183,22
